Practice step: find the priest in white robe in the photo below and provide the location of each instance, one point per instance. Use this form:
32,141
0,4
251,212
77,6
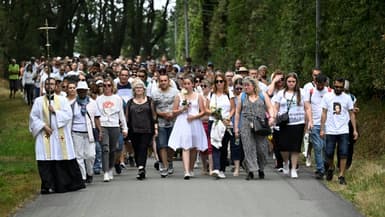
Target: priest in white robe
50,124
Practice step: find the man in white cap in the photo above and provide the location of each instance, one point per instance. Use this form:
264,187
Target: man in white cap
85,122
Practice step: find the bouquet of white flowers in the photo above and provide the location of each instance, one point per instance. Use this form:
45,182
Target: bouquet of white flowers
185,102
216,113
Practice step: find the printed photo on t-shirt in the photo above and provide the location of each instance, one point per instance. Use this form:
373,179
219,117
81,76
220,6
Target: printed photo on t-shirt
337,108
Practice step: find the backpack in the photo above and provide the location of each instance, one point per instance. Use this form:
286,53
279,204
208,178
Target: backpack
312,91
260,94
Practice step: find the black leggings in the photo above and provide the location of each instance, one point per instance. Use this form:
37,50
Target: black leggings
141,142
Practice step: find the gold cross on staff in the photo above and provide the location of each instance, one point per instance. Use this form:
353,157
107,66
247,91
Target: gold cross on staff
47,28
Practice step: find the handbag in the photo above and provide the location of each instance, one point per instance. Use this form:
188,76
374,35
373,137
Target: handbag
283,119
261,126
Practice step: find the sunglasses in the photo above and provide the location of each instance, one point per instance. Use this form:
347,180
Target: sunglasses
219,81
107,85
197,81
63,87
239,88
204,86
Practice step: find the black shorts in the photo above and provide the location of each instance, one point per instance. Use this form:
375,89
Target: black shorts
14,84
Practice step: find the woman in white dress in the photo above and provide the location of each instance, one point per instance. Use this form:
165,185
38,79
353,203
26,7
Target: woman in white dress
188,132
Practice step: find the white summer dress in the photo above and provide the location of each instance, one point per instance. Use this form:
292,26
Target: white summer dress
187,135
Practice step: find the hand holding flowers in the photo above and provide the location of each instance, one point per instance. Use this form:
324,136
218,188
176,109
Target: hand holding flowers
185,102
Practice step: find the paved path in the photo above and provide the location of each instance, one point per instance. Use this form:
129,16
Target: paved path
276,196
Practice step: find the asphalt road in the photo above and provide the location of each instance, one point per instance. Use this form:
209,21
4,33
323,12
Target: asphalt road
275,196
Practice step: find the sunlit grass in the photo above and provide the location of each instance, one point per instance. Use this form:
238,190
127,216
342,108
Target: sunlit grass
19,180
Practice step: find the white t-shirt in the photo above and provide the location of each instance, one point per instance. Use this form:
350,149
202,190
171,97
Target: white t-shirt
314,96
296,112
338,107
263,87
111,111
308,86
223,102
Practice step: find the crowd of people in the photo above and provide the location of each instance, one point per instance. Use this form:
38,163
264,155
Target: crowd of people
99,115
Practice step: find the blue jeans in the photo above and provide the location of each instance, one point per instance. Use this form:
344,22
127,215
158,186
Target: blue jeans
98,156
319,148
120,143
163,136
343,145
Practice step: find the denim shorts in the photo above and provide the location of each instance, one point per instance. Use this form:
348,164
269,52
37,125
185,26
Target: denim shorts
163,136
343,145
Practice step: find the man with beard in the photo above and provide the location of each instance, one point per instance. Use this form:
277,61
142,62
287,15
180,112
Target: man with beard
163,99
308,88
124,90
313,98
50,124
337,110
85,121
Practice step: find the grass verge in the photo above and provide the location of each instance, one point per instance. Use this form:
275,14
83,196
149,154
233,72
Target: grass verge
19,179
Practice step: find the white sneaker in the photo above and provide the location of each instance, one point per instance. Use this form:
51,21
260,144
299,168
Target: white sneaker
163,172
196,165
106,177
285,168
215,173
221,175
186,176
294,174
308,161
111,174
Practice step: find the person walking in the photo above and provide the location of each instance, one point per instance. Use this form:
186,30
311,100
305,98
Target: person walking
85,120
220,101
28,83
50,123
142,123
13,76
164,96
277,84
337,110
313,98
236,149
188,132
112,120
290,136
253,104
